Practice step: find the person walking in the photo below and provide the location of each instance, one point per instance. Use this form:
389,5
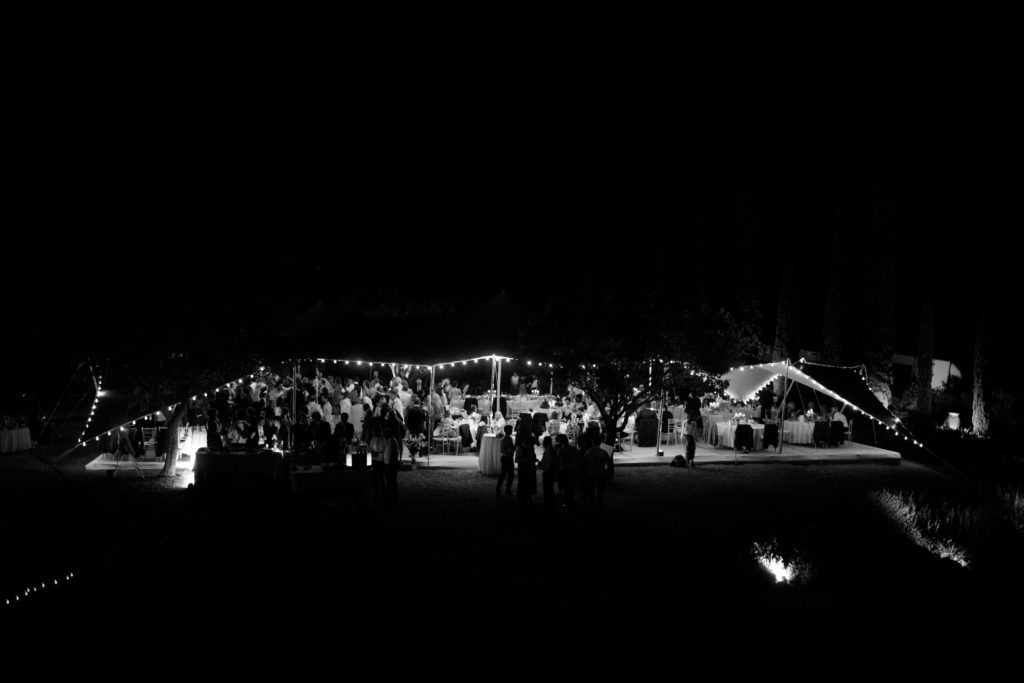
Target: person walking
526,459
549,467
568,470
507,462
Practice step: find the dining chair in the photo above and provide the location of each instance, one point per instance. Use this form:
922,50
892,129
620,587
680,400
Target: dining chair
671,423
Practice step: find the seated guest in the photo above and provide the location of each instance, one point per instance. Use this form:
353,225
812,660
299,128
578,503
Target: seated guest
837,416
498,424
791,411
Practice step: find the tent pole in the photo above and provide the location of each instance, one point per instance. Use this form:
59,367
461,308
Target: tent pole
294,416
497,393
430,417
782,409
661,412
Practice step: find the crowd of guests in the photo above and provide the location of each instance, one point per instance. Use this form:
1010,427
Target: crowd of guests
571,473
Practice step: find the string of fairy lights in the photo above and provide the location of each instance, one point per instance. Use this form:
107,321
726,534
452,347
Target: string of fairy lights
30,590
82,441
824,389
403,365
98,382
464,362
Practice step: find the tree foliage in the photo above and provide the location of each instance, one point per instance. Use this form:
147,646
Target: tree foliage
631,350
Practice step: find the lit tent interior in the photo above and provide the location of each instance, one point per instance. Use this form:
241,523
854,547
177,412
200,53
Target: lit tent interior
845,386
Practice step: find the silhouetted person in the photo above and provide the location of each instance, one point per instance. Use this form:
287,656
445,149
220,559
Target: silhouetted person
526,459
690,429
347,431
595,465
508,449
416,417
568,470
392,457
549,468
321,432
378,446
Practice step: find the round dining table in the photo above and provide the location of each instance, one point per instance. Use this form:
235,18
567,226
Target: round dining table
490,454
727,434
798,432
15,440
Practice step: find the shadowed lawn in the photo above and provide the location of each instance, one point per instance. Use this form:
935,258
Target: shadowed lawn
153,557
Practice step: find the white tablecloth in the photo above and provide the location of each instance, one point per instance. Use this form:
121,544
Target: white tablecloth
727,434
190,440
798,432
490,454
15,440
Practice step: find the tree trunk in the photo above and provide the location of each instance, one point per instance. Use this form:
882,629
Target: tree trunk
171,458
925,355
979,417
610,433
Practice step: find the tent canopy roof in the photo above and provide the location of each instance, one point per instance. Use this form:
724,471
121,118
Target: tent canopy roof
845,385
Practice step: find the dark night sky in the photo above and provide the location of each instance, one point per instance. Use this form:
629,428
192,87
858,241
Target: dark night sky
251,171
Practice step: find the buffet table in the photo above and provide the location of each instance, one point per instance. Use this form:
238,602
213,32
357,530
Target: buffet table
15,440
490,454
798,432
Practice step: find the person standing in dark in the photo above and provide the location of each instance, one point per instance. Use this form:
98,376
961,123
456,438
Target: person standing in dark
595,466
321,433
345,430
416,418
213,440
507,462
549,467
378,445
568,470
392,458
690,429
526,459
524,429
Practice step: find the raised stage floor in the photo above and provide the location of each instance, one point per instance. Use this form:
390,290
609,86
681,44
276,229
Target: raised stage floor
850,452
